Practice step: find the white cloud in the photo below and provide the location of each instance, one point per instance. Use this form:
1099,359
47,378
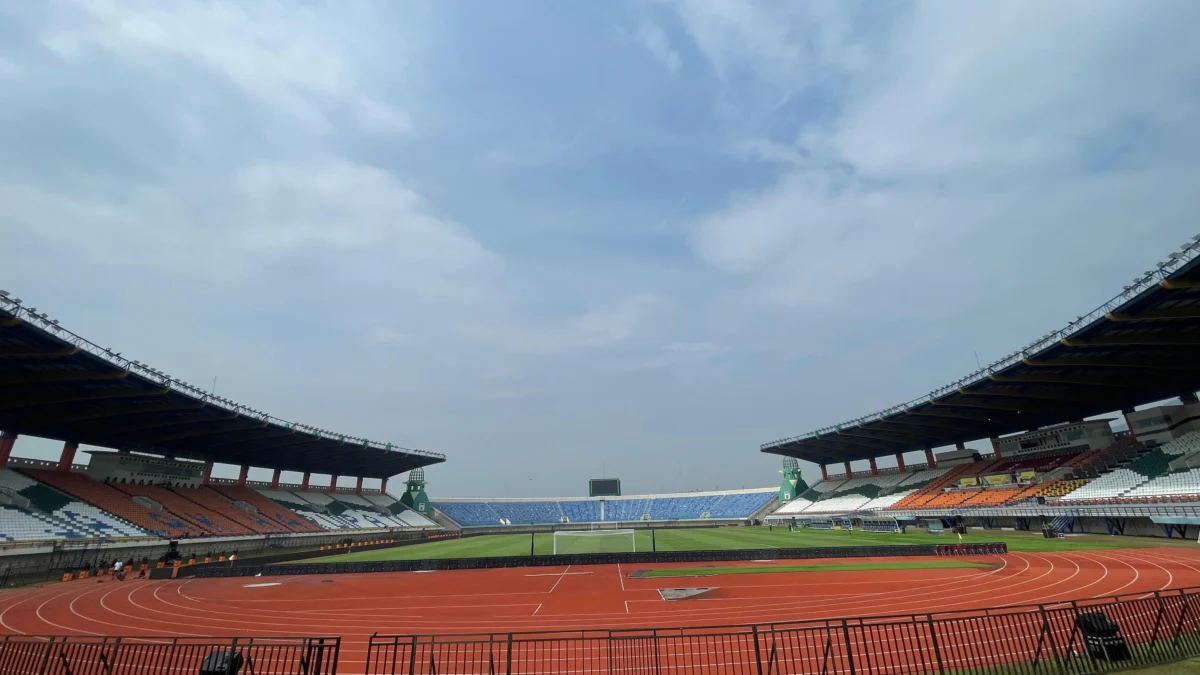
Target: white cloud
280,54
650,36
971,126
9,70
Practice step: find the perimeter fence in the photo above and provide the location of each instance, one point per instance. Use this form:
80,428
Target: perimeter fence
1066,638
58,655
629,558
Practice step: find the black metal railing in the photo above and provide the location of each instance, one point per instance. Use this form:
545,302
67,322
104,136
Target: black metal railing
57,655
1068,638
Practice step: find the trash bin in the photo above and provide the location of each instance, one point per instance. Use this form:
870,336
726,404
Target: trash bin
221,663
1102,637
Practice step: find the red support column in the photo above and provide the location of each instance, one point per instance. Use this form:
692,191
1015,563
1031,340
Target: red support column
929,463
242,475
358,486
824,473
275,479
304,483
848,472
996,448
7,441
383,487
874,467
333,483
900,461
207,473
67,456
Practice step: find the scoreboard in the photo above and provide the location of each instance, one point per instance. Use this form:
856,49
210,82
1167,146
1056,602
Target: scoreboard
604,487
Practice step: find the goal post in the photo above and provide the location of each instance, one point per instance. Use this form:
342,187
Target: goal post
595,541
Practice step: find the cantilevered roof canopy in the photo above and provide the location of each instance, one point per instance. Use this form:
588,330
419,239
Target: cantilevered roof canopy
1142,346
54,384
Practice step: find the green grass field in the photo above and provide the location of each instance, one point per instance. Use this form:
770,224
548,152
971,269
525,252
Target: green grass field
713,570
742,538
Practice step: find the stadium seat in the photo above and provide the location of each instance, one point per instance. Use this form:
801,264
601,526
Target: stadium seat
110,500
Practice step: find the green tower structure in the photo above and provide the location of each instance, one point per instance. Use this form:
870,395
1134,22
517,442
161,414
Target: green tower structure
793,484
414,496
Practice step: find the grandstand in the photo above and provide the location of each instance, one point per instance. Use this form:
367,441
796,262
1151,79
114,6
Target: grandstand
1048,413
155,483
729,505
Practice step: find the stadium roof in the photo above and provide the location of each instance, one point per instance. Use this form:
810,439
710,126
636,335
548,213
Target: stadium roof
55,384
1142,346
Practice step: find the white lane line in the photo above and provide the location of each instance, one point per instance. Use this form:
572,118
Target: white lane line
539,608
622,578
560,578
559,574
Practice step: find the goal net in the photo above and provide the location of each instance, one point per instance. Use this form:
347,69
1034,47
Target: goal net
595,541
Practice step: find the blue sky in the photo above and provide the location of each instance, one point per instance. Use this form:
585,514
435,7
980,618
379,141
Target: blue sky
557,239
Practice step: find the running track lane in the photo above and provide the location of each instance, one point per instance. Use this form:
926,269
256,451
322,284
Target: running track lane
531,599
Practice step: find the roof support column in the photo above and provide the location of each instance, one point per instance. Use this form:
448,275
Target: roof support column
874,467
7,441
847,465
333,484
304,483
929,463
358,486
207,473
996,448
824,473
1189,397
960,446
383,487
900,461
1126,413
68,456
275,479
243,474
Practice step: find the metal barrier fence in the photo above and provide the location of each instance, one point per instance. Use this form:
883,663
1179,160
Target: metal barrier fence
1069,638
57,655
631,558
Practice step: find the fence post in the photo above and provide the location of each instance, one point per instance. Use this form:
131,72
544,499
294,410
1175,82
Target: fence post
46,658
508,657
757,651
1049,633
412,656
937,651
849,646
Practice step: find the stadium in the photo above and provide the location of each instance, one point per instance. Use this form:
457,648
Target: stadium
1063,538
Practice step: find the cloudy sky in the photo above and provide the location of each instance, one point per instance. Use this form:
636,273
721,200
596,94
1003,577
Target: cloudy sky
562,240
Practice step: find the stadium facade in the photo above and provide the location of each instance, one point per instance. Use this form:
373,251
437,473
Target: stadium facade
1047,412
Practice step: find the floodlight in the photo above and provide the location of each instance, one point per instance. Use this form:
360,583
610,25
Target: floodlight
16,301
3,294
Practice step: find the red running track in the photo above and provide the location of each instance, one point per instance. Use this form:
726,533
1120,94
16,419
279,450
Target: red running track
584,597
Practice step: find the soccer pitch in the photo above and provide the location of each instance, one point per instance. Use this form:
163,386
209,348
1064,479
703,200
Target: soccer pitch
729,538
